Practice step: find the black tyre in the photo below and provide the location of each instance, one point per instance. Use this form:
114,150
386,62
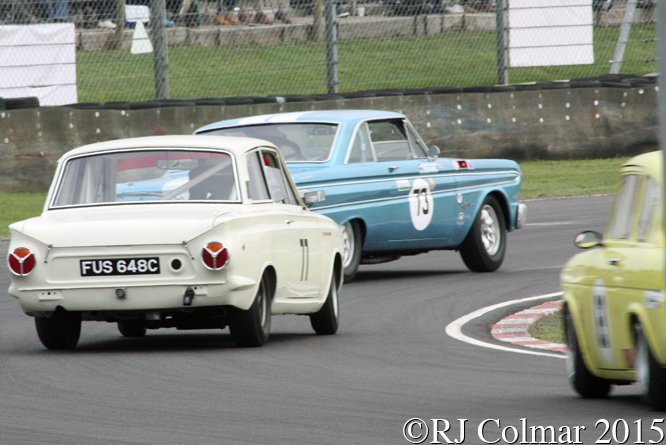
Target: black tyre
583,381
325,320
132,328
484,246
61,331
351,256
252,327
650,376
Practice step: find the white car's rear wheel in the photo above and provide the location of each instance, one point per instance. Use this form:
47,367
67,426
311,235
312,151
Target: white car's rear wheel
59,331
583,381
325,320
650,376
252,327
352,244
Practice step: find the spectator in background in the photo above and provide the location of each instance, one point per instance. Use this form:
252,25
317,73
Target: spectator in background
57,10
224,16
106,14
17,12
189,13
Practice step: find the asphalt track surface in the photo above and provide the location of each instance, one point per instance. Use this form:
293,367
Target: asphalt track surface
391,361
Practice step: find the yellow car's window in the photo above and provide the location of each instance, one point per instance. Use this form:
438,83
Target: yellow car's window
650,201
623,210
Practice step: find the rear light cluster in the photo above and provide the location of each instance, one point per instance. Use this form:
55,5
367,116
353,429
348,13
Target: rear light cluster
21,261
215,256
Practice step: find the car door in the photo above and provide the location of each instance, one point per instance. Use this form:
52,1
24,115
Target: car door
295,237
626,270
420,213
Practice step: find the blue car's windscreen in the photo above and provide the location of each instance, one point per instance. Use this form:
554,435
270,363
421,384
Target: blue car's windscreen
147,175
298,142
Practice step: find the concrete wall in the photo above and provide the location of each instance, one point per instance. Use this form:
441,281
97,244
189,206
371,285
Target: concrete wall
559,123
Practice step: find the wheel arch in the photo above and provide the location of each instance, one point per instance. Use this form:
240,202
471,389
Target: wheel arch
503,201
361,224
636,316
271,275
338,270
583,345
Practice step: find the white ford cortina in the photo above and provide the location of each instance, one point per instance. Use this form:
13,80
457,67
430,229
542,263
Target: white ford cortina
175,231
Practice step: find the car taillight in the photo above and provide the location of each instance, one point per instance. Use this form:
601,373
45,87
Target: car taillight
215,256
21,261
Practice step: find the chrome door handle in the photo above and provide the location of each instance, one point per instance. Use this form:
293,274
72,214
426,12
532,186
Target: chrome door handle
613,261
288,221
394,168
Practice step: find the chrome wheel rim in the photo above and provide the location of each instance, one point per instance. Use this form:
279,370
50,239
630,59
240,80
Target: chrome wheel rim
490,230
347,243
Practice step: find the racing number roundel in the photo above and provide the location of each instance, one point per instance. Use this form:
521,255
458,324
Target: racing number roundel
421,204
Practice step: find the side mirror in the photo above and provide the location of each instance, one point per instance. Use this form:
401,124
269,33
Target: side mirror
433,153
313,197
588,239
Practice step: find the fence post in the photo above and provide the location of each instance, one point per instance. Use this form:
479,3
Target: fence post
331,47
502,42
625,29
160,58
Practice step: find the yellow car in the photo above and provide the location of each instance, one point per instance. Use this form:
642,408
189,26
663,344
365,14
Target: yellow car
615,316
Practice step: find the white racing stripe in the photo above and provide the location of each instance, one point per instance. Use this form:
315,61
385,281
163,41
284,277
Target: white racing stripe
454,329
560,223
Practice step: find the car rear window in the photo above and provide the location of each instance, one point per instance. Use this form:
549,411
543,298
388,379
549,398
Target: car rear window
298,142
147,175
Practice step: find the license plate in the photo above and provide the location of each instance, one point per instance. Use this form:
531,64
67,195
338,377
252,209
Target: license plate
120,266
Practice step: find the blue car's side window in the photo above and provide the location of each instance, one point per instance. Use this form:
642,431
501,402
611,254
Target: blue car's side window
361,149
389,141
419,149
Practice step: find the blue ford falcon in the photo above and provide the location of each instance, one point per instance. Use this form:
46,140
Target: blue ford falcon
392,194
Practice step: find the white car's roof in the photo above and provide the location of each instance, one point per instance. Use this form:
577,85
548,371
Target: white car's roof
235,145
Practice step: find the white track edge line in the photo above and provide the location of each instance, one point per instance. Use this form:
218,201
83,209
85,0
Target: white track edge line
454,329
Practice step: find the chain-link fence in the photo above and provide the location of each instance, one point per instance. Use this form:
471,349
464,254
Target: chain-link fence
108,50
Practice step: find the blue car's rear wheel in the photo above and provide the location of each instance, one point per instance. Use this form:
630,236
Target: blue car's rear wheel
484,246
352,243
132,328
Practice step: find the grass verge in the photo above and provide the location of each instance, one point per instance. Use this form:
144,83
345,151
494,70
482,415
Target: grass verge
550,328
541,179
